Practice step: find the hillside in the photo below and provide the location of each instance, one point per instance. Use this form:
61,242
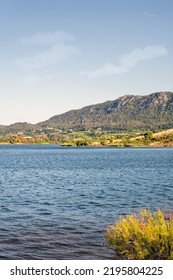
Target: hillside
127,113
130,112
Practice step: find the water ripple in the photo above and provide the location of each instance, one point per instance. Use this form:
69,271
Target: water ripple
57,202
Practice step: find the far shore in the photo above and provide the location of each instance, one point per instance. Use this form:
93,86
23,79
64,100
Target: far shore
88,146
94,138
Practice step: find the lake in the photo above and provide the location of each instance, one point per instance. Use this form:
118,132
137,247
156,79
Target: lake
56,202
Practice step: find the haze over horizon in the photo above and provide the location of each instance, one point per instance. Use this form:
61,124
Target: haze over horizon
62,55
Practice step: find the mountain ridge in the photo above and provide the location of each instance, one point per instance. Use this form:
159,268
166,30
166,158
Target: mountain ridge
128,112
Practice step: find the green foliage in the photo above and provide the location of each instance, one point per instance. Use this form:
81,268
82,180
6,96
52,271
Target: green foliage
148,135
143,236
127,113
103,142
82,142
94,138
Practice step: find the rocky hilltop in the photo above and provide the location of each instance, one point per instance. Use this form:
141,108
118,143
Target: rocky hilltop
128,113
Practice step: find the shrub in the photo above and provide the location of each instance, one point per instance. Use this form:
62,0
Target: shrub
143,236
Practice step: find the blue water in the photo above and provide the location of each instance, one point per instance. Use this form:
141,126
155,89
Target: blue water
57,202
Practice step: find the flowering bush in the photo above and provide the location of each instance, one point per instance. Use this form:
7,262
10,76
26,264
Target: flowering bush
143,236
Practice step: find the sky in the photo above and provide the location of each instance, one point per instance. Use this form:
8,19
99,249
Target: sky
60,55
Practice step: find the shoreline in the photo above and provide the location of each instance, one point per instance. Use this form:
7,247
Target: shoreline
89,146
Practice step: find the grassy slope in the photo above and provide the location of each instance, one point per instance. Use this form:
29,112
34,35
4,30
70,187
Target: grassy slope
95,138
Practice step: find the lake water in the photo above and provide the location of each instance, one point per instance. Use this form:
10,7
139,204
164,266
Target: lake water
57,202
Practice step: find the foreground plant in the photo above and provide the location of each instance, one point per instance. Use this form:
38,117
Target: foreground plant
143,236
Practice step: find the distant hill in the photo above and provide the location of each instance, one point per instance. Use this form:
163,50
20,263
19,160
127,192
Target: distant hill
17,128
129,112
154,111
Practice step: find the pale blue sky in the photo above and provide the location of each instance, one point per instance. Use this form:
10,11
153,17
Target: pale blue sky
60,55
